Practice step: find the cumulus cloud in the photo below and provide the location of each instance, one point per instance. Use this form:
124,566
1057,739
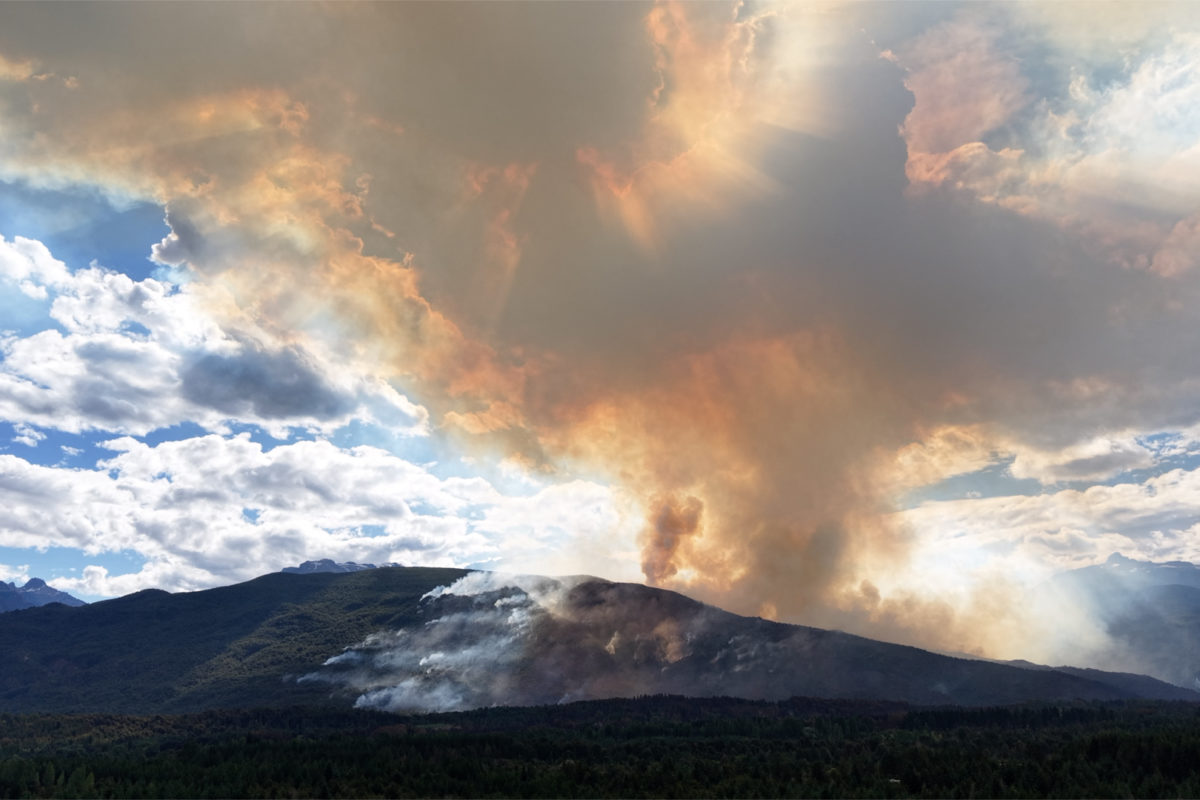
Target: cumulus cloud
211,510
1097,459
29,264
134,356
26,435
1152,520
17,574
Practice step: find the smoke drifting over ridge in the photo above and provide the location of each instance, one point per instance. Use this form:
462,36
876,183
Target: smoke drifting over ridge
744,262
502,640
490,639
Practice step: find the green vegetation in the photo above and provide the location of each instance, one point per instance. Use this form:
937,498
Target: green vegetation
649,747
244,646
153,652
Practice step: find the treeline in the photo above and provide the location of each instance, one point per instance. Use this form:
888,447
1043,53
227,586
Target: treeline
649,747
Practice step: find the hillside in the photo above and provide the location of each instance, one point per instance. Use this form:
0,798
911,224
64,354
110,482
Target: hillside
263,643
1150,611
226,647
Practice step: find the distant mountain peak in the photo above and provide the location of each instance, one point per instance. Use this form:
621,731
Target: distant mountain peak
329,565
34,593
1165,568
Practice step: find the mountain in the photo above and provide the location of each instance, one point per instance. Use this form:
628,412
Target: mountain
34,593
329,565
1150,611
229,647
421,638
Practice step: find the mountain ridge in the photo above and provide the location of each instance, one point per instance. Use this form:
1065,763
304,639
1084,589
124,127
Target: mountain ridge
1149,611
287,639
329,565
36,592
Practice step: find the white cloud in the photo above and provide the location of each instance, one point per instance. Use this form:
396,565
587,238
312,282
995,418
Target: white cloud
24,434
1093,460
29,265
1158,519
1112,160
180,505
135,356
572,527
986,563
11,574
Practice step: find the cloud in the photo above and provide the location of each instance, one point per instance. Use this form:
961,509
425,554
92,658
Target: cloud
1104,158
29,264
24,434
1150,520
981,569
135,356
181,505
11,574
1178,253
1094,460
939,454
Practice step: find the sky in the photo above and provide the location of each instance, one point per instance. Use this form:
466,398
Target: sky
862,315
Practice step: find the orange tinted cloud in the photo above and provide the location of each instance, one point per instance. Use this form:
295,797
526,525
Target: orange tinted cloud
747,450
697,144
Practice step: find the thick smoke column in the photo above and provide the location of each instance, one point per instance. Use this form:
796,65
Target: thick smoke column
670,523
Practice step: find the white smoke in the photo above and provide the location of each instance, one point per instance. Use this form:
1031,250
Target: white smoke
489,640
467,655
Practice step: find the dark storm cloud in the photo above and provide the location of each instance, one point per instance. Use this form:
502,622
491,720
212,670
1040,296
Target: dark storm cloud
264,384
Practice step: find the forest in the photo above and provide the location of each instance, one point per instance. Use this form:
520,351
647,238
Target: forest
661,746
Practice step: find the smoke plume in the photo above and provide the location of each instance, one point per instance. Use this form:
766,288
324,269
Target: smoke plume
765,269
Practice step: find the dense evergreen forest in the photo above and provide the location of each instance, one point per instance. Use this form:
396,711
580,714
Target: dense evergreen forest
648,747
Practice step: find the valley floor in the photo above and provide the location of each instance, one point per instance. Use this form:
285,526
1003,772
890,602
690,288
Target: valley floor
647,747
